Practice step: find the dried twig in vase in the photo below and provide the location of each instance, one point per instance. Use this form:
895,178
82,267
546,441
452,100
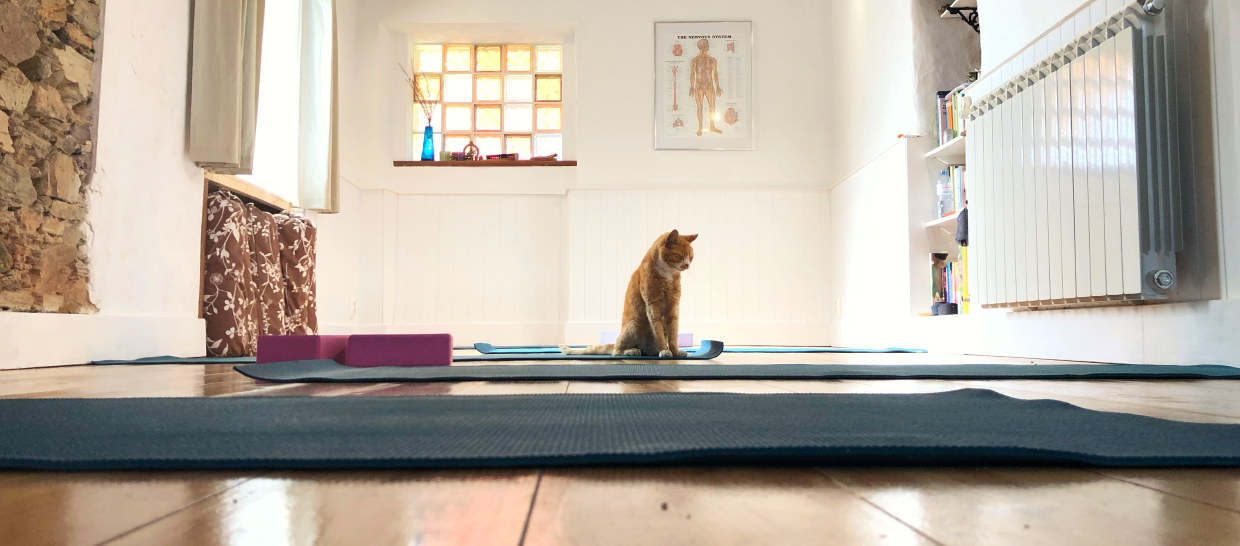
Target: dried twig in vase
421,95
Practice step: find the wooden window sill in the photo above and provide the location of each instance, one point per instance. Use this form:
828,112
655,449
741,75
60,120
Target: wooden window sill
489,163
249,191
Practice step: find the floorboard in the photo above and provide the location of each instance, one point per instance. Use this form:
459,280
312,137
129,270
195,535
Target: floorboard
374,509
749,506
1038,507
724,506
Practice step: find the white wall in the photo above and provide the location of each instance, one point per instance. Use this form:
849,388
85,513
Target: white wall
145,210
338,260
613,44
501,255
1007,26
760,271
483,267
872,88
879,244
870,247
865,207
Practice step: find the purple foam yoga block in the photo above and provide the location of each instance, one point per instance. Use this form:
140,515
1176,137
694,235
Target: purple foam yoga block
683,339
400,350
285,348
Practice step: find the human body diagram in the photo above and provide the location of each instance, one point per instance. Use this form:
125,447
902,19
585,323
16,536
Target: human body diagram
704,84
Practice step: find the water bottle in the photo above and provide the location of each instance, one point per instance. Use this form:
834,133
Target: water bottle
946,201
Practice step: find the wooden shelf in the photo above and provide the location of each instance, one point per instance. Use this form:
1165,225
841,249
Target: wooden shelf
248,190
944,220
489,163
951,153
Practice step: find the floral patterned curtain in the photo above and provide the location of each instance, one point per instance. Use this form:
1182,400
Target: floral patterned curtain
297,238
259,275
267,273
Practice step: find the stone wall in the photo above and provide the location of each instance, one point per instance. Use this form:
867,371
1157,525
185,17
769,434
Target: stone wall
47,52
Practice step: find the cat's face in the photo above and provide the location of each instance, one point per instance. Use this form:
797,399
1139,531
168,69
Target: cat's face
676,250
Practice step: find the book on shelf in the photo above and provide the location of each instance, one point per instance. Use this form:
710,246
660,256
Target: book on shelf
950,280
958,177
953,106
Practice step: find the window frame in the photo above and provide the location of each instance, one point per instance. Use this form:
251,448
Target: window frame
442,134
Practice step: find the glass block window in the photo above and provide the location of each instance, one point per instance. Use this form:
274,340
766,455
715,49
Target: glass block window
506,98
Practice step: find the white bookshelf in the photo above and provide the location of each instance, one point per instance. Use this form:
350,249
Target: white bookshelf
941,232
950,154
944,221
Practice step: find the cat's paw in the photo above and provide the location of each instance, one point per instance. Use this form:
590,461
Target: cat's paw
681,354
632,352
665,354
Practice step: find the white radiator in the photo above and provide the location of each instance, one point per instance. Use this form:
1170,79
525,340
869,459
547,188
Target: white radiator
1077,163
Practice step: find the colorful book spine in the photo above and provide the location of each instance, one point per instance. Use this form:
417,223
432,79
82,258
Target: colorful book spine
943,119
949,282
964,280
952,107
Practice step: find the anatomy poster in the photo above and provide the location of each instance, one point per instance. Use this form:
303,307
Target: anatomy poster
702,86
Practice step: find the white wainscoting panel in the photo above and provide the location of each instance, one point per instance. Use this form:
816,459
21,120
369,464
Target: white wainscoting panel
760,271
488,267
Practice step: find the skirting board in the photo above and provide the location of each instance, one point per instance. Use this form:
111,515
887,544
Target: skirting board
535,333
810,334
1174,333
585,333
32,340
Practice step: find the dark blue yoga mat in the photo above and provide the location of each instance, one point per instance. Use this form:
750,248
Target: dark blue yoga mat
487,349
328,371
967,427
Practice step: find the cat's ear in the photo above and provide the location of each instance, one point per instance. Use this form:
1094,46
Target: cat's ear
672,238
690,238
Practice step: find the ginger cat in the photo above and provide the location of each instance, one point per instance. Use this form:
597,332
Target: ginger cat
651,319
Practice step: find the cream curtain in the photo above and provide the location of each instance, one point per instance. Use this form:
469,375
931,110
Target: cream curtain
224,84
317,173
224,94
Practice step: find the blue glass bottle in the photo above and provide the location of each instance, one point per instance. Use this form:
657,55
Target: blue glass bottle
428,145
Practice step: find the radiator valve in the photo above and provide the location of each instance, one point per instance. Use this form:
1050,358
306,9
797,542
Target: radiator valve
1163,279
1154,7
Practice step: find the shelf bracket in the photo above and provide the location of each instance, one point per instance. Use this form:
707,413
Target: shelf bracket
969,15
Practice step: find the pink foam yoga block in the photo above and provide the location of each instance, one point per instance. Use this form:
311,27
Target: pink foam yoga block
400,350
683,339
285,348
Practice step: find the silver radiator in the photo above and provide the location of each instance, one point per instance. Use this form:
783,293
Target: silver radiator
1077,164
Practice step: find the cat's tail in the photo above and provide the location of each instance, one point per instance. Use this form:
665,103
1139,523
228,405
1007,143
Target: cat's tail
591,350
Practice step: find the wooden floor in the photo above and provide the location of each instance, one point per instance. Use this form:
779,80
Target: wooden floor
655,506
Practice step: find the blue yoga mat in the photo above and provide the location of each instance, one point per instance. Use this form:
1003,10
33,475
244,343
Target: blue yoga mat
488,349
966,427
708,350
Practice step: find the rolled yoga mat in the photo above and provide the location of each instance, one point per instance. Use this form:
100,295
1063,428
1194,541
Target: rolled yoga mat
488,349
966,427
328,371
178,360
